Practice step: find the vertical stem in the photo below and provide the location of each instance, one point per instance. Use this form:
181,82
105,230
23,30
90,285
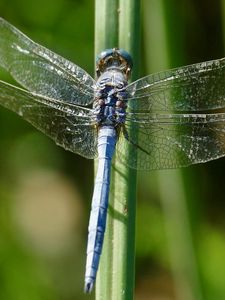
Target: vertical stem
106,25
106,36
223,21
129,31
117,24
124,178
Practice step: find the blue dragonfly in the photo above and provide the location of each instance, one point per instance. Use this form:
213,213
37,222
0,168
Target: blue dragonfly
177,117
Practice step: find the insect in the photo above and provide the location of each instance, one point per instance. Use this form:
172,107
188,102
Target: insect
176,117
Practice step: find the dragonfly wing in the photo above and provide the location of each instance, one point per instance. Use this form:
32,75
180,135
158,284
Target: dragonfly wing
171,140
70,126
197,87
40,70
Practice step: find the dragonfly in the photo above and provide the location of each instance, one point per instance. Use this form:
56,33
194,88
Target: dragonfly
166,120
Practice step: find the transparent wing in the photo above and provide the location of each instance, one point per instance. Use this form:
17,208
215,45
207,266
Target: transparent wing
41,71
70,126
172,140
197,87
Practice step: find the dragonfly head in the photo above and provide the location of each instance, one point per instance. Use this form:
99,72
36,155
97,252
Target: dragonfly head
114,58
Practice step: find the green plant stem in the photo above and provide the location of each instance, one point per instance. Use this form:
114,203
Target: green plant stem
117,25
106,36
106,24
125,178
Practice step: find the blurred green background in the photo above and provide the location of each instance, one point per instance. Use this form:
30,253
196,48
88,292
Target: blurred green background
45,192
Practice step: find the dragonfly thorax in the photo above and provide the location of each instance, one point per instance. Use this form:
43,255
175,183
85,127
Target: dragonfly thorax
110,97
